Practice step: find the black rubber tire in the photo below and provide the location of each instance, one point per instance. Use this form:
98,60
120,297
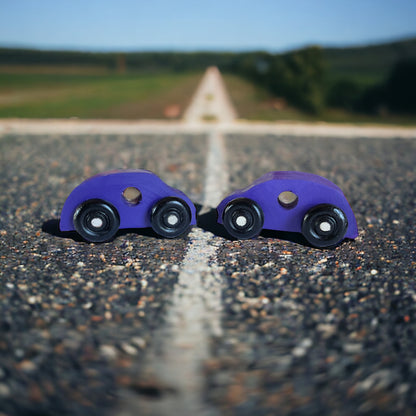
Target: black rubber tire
104,214
333,217
167,209
251,213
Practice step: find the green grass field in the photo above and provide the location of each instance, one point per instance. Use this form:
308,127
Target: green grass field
89,93
94,92
255,103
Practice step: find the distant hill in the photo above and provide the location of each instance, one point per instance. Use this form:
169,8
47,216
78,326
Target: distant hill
368,62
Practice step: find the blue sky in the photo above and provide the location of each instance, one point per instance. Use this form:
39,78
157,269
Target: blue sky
273,25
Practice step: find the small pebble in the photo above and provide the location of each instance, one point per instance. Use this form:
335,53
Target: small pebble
108,351
128,349
4,391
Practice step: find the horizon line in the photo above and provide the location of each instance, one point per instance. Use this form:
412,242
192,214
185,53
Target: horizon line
213,49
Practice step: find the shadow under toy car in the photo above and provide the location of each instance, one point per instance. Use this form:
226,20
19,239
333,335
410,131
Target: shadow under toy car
120,199
290,201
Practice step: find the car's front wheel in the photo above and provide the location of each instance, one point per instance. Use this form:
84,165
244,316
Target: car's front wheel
170,217
96,221
243,218
324,225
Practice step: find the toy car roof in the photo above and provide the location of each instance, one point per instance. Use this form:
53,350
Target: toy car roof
121,172
293,175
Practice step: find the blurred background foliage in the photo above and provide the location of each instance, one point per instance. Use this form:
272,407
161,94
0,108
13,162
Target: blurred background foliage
376,80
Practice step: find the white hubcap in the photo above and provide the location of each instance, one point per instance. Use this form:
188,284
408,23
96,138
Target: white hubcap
325,226
173,219
241,221
97,222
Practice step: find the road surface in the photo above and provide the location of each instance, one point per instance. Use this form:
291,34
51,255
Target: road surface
145,325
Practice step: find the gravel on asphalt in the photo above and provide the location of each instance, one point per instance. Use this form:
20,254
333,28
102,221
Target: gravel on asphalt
75,318
310,331
305,331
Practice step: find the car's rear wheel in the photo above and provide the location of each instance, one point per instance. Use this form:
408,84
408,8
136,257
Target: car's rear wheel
96,221
170,217
324,225
243,218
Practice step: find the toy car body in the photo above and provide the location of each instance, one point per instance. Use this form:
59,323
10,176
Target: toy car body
120,199
290,201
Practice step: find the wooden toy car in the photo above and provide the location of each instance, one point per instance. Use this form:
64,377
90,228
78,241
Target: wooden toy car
290,201
120,199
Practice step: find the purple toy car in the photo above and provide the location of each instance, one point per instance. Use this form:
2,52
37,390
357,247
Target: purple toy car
110,201
290,201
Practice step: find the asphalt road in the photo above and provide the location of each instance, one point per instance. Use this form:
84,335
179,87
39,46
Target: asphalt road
302,331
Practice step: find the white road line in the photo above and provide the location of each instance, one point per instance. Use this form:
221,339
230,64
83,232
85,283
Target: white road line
279,128
306,130
211,101
194,315
216,174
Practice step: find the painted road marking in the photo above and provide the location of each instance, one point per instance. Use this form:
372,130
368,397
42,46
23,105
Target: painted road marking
195,313
211,101
194,316
307,130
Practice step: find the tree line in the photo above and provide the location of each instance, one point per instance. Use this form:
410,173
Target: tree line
396,94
